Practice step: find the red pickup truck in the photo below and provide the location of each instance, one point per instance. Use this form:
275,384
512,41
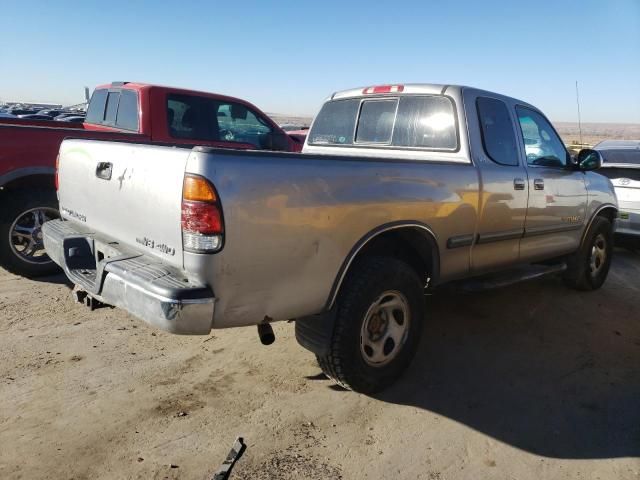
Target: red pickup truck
118,111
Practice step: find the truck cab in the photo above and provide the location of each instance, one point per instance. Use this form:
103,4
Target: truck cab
180,116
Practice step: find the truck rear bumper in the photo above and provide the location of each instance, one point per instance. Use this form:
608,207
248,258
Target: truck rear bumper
140,284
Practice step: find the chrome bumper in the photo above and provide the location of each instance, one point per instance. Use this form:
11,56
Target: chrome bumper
140,284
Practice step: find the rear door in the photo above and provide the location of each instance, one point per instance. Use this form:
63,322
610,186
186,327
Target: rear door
503,196
557,193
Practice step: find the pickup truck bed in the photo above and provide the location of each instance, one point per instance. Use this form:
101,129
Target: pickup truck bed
343,238
119,111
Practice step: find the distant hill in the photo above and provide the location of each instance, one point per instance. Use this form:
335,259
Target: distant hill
593,133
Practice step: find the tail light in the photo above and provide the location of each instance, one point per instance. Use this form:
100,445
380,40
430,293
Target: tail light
202,223
55,179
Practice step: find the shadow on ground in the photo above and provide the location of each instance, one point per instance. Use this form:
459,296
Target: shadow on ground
545,369
58,278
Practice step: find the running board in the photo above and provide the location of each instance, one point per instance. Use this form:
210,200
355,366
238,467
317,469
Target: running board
503,279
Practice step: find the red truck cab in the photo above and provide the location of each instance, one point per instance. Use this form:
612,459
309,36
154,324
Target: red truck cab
117,111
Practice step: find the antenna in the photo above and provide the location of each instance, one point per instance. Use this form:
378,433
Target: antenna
579,120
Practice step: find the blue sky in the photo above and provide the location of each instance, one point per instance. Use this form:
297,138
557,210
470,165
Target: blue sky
286,57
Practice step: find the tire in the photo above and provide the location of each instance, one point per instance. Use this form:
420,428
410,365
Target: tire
382,298
22,252
587,269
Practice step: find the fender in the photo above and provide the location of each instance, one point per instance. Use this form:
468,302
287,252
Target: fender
429,236
25,172
594,215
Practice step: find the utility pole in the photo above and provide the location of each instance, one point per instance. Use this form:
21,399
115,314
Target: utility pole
579,120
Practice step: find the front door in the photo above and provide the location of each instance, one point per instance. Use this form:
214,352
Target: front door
557,193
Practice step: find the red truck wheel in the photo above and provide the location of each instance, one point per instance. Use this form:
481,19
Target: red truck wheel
21,246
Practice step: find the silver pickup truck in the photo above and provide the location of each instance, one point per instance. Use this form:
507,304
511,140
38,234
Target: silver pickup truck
400,188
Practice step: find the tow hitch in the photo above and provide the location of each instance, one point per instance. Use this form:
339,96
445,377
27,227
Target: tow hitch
83,297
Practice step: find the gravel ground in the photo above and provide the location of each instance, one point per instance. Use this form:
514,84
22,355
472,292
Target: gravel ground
531,381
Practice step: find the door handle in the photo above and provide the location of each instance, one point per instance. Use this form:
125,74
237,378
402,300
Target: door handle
103,170
518,184
538,184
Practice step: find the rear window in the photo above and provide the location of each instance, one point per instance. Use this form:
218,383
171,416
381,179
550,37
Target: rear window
417,121
336,123
426,122
116,108
376,121
112,108
127,117
95,112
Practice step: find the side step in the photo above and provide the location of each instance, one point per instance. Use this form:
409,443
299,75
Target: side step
509,277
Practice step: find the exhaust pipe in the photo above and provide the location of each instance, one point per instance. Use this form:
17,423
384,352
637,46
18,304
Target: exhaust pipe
265,332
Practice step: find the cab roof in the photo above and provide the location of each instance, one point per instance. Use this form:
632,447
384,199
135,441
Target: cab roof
416,89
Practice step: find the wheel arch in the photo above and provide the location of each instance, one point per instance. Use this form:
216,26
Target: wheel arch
608,211
42,177
410,241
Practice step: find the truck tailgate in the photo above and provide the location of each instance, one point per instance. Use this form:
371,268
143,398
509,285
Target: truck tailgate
129,192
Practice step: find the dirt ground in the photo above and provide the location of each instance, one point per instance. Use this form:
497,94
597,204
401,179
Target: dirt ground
532,381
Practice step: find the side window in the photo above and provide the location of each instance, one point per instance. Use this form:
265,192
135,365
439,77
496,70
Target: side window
426,122
95,112
498,137
542,145
236,123
127,117
112,108
376,121
201,118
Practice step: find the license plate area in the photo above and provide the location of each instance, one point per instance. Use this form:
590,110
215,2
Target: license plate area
85,258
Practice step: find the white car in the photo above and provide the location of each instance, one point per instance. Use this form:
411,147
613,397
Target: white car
622,166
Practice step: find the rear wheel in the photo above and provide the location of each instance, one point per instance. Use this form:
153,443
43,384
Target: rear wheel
21,245
587,269
379,319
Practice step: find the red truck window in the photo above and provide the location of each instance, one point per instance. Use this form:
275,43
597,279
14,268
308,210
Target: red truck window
112,108
115,108
201,118
128,111
95,112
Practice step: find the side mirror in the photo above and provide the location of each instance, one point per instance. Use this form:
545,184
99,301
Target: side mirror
589,159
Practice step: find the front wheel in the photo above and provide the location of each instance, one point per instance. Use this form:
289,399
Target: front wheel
587,269
21,245
379,319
